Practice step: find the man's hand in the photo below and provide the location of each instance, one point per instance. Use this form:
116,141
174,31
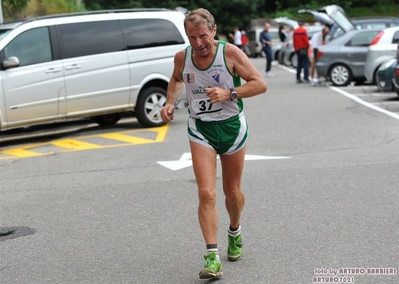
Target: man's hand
217,95
167,112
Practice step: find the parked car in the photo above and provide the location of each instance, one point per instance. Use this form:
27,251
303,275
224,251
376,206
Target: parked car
367,23
382,48
342,59
254,45
328,15
332,16
385,74
95,64
395,80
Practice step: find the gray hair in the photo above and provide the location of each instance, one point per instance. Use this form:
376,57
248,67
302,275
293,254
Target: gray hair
200,16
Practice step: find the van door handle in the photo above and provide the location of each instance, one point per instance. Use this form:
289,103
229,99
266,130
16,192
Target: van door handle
53,70
73,66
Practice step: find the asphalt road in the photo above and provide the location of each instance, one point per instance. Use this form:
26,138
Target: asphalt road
119,215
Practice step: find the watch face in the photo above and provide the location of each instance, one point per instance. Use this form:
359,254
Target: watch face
233,94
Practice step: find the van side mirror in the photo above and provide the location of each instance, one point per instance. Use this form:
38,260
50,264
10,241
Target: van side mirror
11,62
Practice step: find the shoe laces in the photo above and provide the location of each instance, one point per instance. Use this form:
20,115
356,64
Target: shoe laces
235,242
210,259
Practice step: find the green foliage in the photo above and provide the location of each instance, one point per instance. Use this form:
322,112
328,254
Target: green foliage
227,13
12,9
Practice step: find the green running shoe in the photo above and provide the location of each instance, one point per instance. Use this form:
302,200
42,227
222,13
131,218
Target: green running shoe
212,268
234,251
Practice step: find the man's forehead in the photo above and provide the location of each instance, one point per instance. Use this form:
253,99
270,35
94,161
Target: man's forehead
199,28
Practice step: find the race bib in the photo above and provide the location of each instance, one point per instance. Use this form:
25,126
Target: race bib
205,110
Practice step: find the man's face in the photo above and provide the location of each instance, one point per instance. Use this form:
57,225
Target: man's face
267,26
201,38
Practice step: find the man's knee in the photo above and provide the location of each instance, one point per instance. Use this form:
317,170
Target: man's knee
207,195
233,192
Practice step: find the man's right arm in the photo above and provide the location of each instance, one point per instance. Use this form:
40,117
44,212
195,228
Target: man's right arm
175,87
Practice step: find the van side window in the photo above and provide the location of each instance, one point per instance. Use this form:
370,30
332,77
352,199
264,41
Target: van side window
89,38
141,33
32,46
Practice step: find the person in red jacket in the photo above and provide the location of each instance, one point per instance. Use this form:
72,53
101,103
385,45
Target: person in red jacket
301,46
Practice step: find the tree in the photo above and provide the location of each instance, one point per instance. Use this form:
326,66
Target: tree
227,13
12,9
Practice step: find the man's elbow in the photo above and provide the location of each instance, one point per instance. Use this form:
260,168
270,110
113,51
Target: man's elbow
262,87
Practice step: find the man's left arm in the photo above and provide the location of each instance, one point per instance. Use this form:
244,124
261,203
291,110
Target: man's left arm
241,66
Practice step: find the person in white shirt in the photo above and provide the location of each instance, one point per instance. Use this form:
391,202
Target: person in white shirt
237,37
317,40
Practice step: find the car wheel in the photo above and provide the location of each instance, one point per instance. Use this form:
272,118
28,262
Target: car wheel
340,75
375,76
396,90
107,119
287,61
294,59
149,104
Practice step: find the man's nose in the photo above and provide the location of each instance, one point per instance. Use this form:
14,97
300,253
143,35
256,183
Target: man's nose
197,42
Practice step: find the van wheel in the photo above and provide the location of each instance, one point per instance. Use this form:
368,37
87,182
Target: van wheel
340,75
107,119
149,104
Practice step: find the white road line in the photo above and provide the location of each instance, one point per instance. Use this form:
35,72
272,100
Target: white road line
369,105
356,99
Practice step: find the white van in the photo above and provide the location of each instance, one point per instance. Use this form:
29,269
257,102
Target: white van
95,64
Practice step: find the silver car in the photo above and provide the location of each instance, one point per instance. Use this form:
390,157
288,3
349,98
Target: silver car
381,49
328,15
342,59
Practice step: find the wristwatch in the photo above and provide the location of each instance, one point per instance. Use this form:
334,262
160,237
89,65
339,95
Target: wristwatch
233,94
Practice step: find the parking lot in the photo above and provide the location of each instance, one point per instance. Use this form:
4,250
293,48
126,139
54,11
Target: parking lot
107,214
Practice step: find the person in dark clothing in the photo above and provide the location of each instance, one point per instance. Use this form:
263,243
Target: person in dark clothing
282,33
266,42
301,46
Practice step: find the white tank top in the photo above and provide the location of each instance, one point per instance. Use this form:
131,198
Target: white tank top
216,75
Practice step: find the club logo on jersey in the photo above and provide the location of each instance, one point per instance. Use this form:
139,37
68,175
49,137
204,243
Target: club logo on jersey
216,77
190,77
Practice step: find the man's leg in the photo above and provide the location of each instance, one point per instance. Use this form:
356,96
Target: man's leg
204,164
269,59
265,52
298,66
312,66
306,68
232,168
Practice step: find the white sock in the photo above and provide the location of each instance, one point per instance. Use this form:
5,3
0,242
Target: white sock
235,233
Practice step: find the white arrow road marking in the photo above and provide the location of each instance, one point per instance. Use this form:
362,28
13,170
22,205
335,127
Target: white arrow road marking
185,161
